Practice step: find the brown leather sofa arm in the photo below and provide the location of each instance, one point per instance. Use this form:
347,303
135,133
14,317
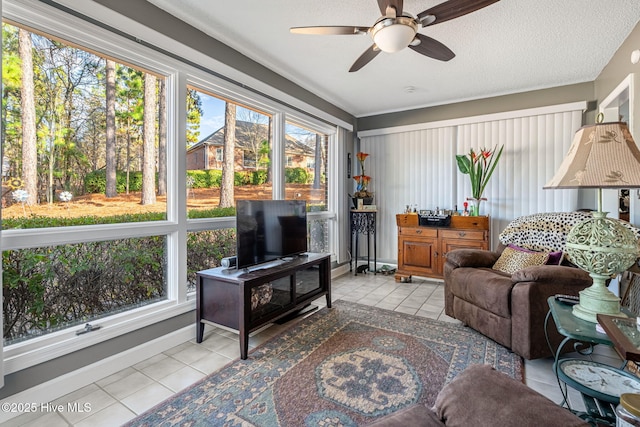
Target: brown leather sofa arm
472,258
552,274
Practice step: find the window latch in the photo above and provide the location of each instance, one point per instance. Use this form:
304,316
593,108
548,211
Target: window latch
87,328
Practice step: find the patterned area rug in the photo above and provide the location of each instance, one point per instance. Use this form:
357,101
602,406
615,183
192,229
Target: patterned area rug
344,366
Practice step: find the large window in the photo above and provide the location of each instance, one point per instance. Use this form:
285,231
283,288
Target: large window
83,139
55,287
306,171
84,143
114,190
249,144
228,153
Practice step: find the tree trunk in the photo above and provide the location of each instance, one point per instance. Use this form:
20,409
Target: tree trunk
128,159
149,142
111,190
317,167
226,184
162,138
27,104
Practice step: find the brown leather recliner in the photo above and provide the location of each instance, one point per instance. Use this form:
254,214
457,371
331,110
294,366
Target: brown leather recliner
511,308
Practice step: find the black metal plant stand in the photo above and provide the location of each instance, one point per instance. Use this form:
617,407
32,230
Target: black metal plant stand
362,222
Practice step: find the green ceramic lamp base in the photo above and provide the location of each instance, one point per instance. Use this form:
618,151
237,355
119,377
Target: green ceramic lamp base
597,299
603,247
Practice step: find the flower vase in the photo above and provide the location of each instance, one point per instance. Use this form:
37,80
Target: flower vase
474,206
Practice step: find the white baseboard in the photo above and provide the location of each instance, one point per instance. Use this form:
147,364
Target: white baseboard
72,381
340,270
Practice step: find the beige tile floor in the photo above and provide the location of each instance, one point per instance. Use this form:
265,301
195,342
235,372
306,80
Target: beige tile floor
122,396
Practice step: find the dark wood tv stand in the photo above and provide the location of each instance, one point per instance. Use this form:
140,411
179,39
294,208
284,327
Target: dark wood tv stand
224,296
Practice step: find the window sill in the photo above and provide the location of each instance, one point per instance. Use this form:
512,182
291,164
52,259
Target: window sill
23,355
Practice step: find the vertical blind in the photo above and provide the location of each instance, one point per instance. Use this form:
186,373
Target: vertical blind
418,168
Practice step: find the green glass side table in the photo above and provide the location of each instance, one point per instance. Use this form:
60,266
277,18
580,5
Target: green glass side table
572,327
584,336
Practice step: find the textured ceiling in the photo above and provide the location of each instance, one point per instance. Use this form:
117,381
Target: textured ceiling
511,46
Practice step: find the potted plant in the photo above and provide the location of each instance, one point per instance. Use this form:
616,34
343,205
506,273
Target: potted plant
479,167
362,183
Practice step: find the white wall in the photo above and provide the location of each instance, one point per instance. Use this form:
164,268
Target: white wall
416,165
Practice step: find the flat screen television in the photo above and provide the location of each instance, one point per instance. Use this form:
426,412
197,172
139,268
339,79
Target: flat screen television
269,229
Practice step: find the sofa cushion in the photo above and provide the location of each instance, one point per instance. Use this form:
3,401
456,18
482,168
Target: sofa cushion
483,287
512,260
555,258
482,396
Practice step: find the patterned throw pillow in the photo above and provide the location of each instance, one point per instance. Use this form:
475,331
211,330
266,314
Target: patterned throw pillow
512,260
555,258
542,232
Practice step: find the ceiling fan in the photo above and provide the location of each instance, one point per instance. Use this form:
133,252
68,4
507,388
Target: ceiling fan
395,29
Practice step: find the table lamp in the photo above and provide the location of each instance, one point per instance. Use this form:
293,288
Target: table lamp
603,155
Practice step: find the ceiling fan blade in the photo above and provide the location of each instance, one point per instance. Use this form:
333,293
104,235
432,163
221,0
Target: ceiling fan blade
432,48
397,4
329,30
365,58
451,9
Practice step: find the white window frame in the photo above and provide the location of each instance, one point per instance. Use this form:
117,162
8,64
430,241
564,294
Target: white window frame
42,17
333,187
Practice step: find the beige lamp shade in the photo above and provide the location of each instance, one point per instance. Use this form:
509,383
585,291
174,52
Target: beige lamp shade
602,155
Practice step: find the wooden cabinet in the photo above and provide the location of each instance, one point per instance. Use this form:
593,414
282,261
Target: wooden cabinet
422,250
417,251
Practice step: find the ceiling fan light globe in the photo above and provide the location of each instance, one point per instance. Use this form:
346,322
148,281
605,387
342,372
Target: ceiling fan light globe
394,37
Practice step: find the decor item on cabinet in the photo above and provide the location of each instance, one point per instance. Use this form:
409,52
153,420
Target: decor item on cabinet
602,155
479,167
474,205
362,183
